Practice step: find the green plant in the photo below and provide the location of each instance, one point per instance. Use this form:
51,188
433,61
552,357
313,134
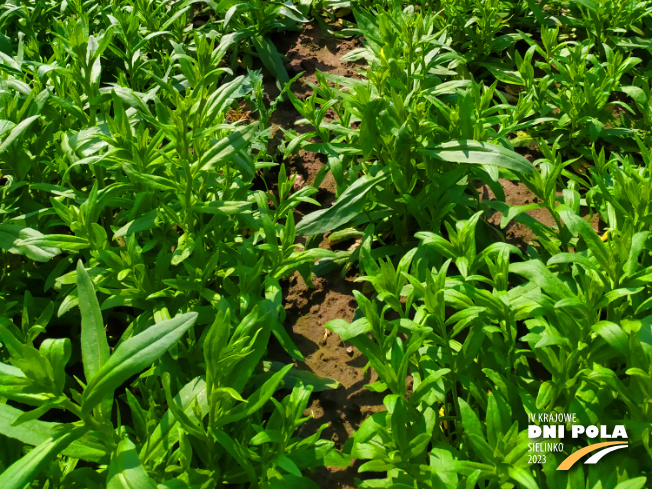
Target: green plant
458,339
405,130
148,224
252,21
119,149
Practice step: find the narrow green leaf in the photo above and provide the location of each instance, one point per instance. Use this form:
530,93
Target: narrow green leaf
220,99
347,207
34,432
574,258
468,151
125,469
143,223
536,272
62,241
256,400
579,226
347,330
24,471
152,181
613,334
546,396
635,483
224,208
94,345
134,355
638,245
288,465
305,377
424,388
12,239
225,149
237,452
523,477
504,74
16,132
272,59
515,210
165,435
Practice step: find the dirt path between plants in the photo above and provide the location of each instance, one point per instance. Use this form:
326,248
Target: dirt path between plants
308,308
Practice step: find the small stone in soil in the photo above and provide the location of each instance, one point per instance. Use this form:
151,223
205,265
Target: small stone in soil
327,333
299,182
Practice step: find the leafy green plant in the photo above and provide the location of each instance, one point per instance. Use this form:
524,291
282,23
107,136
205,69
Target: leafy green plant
119,148
413,135
38,377
251,21
147,227
457,338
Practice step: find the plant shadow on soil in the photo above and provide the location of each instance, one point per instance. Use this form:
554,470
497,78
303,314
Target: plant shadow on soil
343,409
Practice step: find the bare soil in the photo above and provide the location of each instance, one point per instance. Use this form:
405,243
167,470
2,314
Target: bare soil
308,310
518,194
310,306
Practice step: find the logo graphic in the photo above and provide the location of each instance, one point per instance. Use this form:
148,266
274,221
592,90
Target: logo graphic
607,447
556,427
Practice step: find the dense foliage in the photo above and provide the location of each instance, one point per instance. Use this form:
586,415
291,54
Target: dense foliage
143,243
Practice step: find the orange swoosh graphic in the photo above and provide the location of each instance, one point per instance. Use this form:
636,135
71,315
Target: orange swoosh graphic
574,457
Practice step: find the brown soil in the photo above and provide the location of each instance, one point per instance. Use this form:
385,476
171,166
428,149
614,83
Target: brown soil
308,310
518,194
